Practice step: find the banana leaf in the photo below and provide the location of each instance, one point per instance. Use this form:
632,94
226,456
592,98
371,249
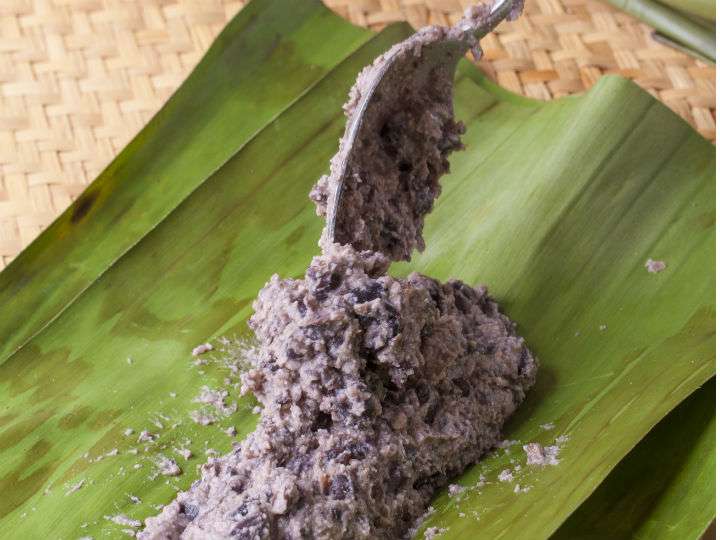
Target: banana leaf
702,9
688,28
555,206
660,488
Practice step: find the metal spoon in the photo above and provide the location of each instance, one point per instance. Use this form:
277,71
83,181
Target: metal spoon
423,65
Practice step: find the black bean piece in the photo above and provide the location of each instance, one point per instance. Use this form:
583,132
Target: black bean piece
190,511
463,385
323,421
341,487
423,393
248,528
369,293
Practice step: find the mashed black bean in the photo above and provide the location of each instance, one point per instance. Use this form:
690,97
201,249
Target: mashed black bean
376,391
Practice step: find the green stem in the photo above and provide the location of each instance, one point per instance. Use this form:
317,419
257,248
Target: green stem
672,24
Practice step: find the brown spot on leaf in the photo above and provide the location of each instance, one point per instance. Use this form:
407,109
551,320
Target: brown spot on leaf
83,205
19,485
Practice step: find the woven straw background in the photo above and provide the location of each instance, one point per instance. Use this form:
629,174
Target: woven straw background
78,78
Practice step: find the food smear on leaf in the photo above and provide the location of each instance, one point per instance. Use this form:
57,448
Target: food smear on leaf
654,267
202,349
538,454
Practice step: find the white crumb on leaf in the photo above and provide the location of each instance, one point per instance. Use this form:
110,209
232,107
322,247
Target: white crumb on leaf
537,454
146,436
519,489
122,519
202,418
548,426
75,487
128,432
455,489
202,349
603,327
654,267
561,439
184,452
168,466
505,475
432,532
134,499
216,398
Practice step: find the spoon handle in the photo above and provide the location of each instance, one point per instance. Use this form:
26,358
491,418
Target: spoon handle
501,9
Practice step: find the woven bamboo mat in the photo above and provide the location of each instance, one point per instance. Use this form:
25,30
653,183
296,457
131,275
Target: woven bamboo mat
78,78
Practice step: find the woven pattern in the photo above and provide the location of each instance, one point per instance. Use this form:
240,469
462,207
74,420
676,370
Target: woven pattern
79,78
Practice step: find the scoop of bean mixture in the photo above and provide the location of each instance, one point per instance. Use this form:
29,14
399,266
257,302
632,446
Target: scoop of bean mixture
375,390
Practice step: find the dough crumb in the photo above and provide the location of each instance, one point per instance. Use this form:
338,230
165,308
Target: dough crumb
202,349
168,466
505,476
433,532
654,267
184,452
539,455
75,487
122,519
146,436
204,419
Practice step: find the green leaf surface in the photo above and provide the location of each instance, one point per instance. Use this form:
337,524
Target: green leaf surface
686,27
704,9
228,99
568,200
664,489
555,206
